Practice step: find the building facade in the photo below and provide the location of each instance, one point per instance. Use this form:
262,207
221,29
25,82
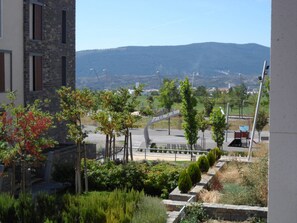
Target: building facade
37,49
11,49
282,203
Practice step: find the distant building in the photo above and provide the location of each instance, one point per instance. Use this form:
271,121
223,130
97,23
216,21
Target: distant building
37,49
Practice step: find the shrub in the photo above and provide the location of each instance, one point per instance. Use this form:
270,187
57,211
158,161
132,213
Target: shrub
150,209
7,211
217,152
203,163
24,208
194,213
184,182
161,178
45,206
211,158
194,172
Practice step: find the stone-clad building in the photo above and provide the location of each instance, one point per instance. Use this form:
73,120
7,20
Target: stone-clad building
37,48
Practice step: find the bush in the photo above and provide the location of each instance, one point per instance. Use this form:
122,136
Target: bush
184,182
7,211
150,209
203,163
217,152
194,213
24,208
211,158
194,172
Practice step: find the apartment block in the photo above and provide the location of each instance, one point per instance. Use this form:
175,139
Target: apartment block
37,49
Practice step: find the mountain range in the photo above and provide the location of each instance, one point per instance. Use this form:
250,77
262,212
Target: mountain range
205,59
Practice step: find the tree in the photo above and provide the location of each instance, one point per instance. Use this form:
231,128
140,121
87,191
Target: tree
74,105
238,95
168,95
218,126
201,91
203,124
262,121
189,113
208,105
23,134
115,117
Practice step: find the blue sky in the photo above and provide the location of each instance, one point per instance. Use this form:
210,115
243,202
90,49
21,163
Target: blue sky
102,24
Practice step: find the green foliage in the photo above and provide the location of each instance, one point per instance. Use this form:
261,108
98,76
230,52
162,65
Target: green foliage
24,208
208,104
203,123
161,178
168,94
217,152
156,179
218,125
45,206
262,120
150,209
189,112
203,163
184,182
194,213
254,187
7,210
238,95
194,172
201,91
119,206
211,158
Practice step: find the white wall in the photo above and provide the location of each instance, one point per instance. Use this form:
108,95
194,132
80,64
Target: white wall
283,111
12,40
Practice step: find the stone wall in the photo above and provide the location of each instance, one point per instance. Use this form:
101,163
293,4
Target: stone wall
51,49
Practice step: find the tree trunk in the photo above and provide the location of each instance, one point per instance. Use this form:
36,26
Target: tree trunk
85,169
106,147
109,148
124,155
77,169
12,182
131,154
23,175
113,148
259,136
168,126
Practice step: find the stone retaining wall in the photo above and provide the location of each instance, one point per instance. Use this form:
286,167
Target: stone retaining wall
234,212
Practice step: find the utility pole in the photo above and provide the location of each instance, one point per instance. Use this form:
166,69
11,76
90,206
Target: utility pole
262,79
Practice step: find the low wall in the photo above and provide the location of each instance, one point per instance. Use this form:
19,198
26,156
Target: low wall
234,212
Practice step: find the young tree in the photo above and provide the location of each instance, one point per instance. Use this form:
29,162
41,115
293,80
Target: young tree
168,95
23,134
238,95
208,104
75,104
262,121
189,113
203,124
116,116
218,125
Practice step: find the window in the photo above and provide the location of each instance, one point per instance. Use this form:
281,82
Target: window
36,73
63,26
64,78
5,71
36,22
2,73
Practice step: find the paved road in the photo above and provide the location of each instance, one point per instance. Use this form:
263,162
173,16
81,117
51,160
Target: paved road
161,137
